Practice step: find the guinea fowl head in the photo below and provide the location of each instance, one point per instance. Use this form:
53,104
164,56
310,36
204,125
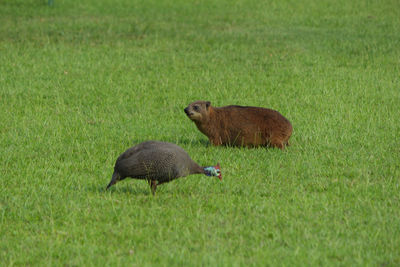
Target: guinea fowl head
213,171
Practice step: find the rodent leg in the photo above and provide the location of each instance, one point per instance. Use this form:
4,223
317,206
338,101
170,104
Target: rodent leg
276,142
215,141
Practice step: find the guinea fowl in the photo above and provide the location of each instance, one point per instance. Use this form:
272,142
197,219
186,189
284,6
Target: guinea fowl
158,163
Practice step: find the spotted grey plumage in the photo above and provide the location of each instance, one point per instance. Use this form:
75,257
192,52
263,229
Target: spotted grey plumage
158,163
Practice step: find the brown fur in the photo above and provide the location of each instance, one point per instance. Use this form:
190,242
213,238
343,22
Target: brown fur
240,126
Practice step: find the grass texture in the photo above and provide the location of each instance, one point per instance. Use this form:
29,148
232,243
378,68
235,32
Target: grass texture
81,81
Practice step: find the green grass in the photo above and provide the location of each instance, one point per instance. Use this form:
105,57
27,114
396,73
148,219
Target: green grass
81,81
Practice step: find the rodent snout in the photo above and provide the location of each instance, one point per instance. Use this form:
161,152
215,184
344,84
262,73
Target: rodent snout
187,111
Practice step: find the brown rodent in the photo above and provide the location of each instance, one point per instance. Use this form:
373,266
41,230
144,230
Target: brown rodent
240,125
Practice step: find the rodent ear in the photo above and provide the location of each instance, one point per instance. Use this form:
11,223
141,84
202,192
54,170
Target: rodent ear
208,104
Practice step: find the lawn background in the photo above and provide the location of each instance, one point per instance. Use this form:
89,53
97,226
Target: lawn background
81,81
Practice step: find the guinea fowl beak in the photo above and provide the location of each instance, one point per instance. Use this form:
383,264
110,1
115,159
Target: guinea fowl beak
110,184
218,167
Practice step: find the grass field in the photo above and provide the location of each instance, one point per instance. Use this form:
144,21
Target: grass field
81,81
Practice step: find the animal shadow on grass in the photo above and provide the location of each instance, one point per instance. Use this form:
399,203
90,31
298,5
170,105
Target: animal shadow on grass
199,142
122,189
180,141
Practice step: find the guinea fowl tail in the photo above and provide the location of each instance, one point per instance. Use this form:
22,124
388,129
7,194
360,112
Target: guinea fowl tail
115,178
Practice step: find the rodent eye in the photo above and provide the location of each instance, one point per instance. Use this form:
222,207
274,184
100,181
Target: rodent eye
196,108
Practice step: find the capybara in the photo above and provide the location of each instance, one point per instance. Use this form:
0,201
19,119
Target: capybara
240,125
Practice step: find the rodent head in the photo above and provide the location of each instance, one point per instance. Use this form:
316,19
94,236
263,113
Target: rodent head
198,111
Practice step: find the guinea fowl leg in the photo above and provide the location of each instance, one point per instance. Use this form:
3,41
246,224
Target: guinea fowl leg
153,186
